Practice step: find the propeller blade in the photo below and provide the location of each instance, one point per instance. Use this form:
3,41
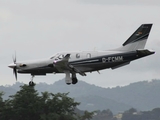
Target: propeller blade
15,72
14,69
14,58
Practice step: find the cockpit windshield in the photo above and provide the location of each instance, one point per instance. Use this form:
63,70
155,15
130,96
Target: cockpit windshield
61,56
54,56
57,56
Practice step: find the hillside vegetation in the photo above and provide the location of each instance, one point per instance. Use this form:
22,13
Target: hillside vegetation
142,95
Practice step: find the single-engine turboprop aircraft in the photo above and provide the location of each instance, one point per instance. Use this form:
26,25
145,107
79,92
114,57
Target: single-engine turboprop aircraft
81,62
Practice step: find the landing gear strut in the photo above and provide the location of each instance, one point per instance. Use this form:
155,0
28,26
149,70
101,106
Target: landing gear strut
31,83
67,78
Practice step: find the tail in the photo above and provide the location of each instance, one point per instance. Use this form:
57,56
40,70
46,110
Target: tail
138,39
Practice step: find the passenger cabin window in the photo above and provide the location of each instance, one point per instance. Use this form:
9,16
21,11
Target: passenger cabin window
88,55
77,55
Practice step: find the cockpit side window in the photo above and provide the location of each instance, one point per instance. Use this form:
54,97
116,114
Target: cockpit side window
52,57
61,56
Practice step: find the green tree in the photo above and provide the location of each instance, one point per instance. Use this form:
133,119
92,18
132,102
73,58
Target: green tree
87,115
27,104
156,114
59,106
129,114
104,115
1,103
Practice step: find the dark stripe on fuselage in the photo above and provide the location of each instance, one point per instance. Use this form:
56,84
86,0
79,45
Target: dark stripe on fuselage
39,70
112,58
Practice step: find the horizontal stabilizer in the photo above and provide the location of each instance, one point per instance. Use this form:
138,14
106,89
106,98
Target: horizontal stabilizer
145,52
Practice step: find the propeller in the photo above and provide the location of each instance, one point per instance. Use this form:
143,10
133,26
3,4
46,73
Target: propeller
14,67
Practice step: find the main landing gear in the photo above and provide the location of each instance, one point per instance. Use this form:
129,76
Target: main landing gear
70,80
74,79
31,83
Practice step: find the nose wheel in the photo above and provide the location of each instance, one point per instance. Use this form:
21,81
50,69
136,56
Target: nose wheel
31,83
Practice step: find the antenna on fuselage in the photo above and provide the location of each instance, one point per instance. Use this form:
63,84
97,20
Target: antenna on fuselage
98,71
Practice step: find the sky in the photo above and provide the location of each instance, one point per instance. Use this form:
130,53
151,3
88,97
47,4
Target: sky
36,29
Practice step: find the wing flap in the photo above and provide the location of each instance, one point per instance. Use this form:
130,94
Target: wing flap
73,69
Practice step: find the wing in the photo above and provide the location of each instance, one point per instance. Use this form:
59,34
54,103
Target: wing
61,62
73,69
63,65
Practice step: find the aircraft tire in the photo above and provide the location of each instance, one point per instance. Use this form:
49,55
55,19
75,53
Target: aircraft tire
74,80
31,83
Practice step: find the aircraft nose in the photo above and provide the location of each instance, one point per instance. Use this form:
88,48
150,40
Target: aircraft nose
12,65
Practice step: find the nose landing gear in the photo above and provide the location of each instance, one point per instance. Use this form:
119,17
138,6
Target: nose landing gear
31,83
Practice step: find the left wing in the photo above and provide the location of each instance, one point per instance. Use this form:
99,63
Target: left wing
76,70
63,65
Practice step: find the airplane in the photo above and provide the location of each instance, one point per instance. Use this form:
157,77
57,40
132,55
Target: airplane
80,62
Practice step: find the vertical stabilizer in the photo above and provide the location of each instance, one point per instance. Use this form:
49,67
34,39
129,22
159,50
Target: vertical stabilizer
138,39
